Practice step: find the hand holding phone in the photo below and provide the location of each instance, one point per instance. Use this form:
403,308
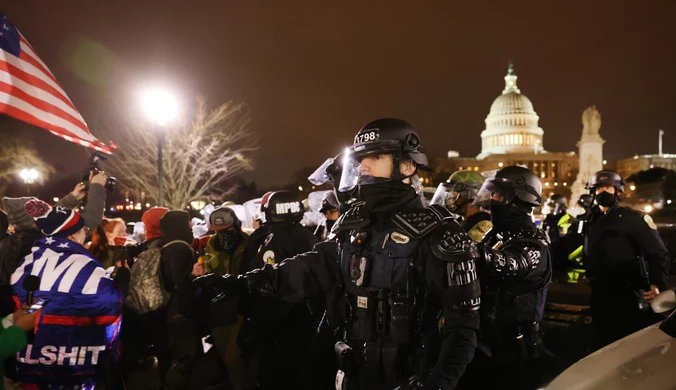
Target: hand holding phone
24,320
38,305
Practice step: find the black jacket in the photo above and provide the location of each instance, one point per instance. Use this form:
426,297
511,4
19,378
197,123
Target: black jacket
317,273
177,260
614,243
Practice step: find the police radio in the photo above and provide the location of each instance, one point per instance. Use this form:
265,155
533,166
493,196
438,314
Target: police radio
359,267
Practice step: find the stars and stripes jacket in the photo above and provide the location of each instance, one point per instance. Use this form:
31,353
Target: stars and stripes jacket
77,333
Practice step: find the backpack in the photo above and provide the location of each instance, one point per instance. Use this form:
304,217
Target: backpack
146,292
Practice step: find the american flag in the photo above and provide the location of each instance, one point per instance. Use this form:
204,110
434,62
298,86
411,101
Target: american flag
30,92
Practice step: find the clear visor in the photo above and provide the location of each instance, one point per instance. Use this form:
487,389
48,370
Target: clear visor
319,176
313,218
350,176
494,191
315,199
444,195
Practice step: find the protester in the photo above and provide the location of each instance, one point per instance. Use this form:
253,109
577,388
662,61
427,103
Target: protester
108,240
223,255
177,260
76,336
144,332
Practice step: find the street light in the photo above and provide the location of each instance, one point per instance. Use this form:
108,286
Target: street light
161,107
29,176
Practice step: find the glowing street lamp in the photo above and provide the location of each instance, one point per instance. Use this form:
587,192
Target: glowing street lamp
161,107
29,176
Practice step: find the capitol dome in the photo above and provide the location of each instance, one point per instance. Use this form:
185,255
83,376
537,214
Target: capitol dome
512,124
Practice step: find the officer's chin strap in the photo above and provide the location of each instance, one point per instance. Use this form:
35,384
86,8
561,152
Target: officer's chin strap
397,175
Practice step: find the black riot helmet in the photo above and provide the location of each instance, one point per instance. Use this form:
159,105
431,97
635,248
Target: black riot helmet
382,136
606,178
585,201
511,184
282,206
557,203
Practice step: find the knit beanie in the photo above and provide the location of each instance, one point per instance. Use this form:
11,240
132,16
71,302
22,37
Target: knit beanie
17,215
151,220
54,221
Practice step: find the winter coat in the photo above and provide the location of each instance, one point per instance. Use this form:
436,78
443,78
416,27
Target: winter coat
177,261
83,318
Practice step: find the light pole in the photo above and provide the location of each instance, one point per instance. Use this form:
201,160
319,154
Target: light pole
29,176
160,105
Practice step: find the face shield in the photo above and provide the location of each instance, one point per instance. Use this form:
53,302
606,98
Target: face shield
352,157
315,200
319,176
446,196
495,191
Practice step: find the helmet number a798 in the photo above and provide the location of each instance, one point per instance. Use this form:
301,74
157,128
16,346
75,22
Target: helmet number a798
372,135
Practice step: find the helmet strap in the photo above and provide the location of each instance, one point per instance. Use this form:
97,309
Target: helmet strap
396,168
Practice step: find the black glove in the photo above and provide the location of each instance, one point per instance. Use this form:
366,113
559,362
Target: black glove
216,287
259,280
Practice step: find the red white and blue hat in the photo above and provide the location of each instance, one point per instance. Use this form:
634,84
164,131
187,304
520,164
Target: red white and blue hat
54,221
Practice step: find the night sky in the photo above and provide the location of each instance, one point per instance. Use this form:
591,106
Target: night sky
313,74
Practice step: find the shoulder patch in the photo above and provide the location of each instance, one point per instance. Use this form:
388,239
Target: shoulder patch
418,222
649,220
269,257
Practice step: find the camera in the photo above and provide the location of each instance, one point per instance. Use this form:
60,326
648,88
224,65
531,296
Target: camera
93,166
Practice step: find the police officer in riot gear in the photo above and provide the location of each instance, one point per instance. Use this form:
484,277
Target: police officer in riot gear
558,221
585,202
572,244
626,261
457,194
557,224
279,333
404,291
514,269
330,211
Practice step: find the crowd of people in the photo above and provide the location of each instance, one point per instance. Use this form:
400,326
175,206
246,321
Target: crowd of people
388,293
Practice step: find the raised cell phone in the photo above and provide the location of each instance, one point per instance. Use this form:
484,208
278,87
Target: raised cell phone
38,305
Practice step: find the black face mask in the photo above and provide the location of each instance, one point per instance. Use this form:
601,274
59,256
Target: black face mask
606,199
384,197
226,240
509,216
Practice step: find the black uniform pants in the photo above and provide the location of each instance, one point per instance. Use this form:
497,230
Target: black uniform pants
615,314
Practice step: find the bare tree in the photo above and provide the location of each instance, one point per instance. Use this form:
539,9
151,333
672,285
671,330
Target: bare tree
16,155
198,155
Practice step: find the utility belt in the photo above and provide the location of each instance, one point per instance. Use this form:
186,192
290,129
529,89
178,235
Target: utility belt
384,361
380,314
380,340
